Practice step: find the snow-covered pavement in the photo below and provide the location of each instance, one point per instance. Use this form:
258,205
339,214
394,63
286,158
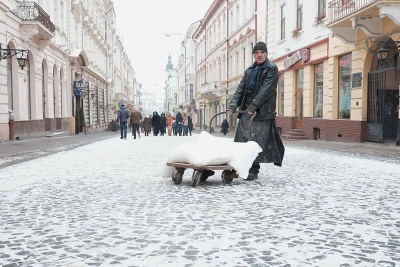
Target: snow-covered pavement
105,204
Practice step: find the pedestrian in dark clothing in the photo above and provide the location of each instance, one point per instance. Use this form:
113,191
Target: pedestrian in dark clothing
179,123
163,124
190,125
174,126
225,126
256,92
123,116
155,123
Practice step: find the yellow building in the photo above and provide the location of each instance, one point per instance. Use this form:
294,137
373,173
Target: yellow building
344,87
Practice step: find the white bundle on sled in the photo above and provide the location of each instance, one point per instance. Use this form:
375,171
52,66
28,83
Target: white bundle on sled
210,150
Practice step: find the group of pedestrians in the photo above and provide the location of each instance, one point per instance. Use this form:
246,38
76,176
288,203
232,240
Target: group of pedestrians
181,125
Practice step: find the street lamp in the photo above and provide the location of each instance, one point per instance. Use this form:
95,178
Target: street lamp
382,53
22,55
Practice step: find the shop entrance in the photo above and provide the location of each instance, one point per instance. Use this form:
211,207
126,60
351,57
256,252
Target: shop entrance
298,94
383,106
383,92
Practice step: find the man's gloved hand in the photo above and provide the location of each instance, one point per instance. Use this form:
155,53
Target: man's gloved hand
233,108
252,108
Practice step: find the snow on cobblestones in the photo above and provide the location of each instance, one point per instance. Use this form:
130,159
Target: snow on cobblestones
106,204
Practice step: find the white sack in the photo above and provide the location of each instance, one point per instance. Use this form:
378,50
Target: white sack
198,153
210,150
242,154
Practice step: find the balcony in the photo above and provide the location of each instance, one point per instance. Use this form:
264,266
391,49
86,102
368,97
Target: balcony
36,23
189,78
347,16
210,90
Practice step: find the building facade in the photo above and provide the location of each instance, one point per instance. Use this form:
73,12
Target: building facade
337,61
67,85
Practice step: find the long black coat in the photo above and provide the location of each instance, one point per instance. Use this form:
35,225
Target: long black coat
263,130
155,123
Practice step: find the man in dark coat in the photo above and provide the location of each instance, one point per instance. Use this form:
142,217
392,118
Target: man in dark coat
225,126
155,123
190,125
256,92
123,116
179,123
163,124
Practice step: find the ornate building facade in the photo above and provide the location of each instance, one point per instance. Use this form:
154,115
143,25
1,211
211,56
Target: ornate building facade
67,85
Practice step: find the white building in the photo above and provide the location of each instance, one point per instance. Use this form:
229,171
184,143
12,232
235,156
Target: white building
68,84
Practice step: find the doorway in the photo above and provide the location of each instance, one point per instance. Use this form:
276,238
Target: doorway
298,95
383,103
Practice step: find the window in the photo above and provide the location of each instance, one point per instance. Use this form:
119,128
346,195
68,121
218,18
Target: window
191,91
344,86
319,90
299,15
321,9
281,90
283,21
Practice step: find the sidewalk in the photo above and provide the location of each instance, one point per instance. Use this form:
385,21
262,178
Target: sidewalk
367,149
17,151
13,152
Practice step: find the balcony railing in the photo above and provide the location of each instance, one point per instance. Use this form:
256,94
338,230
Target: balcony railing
30,11
341,8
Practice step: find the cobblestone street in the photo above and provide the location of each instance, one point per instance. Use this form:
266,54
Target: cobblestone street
105,204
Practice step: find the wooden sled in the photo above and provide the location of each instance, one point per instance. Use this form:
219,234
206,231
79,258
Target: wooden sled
201,173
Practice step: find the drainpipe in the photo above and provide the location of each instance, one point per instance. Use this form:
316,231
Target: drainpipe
255,24
227,61
266,23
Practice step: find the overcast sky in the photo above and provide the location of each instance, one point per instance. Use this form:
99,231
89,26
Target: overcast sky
143,27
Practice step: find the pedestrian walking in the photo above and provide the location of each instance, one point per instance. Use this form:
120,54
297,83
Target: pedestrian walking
174,128
123,116
155,123
225,126
179,123
256,92
169,124
136,117
190,125
163,124
147,125
185,126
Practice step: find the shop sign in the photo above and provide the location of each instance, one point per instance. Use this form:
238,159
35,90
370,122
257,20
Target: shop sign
303,55
78,86
344,60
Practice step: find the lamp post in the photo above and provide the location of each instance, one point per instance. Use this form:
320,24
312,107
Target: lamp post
382,53
22,55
